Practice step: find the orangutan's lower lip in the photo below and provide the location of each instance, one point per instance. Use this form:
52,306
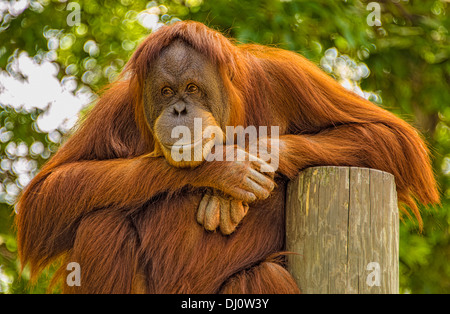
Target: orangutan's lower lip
184,146
189,146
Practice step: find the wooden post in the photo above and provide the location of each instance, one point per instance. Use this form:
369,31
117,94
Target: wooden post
343,225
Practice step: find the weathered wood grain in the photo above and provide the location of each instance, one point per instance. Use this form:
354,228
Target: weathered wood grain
343,225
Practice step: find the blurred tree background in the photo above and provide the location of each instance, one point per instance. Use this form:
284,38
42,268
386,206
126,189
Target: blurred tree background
56,55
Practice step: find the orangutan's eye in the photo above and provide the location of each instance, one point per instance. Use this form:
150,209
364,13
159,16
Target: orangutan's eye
167,92
192,88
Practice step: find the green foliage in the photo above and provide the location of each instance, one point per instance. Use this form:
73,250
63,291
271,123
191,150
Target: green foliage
408,58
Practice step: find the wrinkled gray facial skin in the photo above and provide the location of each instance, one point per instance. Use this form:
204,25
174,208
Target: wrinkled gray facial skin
183,85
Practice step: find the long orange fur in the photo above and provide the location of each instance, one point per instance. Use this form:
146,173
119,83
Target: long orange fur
128,217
